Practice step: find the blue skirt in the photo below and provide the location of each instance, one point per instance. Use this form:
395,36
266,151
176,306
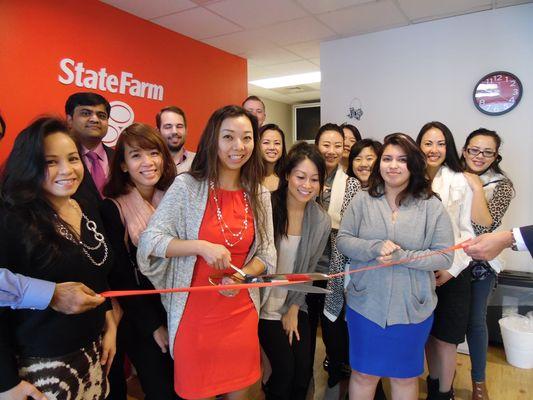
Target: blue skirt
396,351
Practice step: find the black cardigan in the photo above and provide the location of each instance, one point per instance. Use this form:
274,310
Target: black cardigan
146,313
47,333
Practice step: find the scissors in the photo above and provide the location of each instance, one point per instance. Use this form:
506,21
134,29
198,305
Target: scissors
288,278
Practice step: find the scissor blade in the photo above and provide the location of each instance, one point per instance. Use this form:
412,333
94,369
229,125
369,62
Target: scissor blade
305,288
312,276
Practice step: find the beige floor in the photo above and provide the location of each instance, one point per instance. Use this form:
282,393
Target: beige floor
504,381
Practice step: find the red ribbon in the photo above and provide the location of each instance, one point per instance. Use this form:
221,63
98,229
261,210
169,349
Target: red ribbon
301,278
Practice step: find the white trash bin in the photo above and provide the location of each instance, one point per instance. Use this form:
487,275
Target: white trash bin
517,334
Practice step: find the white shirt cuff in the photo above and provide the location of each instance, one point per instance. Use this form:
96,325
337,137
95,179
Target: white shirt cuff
520,244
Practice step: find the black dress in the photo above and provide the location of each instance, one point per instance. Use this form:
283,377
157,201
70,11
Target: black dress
66,348
142,316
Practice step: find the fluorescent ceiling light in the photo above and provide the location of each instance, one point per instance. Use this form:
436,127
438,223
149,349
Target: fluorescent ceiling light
289,80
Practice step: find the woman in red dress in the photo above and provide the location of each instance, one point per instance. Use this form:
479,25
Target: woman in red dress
215,216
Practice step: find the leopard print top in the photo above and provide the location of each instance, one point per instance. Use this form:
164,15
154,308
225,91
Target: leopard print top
334,301
498,205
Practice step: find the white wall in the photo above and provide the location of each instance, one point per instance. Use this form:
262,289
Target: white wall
408,76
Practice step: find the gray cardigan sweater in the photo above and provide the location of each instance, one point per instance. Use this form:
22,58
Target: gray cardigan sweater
405,293
179,215
316,226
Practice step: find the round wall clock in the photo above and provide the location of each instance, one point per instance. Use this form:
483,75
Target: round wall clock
497,93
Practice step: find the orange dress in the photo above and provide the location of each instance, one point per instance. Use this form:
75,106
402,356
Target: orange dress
216,349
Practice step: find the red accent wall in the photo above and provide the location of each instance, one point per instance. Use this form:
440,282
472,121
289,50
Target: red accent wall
35,35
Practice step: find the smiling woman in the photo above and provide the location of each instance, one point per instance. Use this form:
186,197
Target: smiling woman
274,154
141,171
390,310
212,217
64,167
453,285
330,143
42,172
362,157
493,192
302,229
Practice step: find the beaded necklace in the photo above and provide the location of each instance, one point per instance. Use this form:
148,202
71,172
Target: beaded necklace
235,237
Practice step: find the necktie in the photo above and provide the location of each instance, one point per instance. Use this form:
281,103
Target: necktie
97,172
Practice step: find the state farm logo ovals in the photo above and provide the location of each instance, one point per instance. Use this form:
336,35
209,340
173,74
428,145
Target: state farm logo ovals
121,116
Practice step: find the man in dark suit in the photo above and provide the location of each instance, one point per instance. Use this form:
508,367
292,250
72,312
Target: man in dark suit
87,118
489,245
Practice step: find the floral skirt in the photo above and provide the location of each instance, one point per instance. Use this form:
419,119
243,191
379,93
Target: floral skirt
75,376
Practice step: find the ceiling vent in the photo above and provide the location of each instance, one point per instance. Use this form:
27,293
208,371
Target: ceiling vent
294,89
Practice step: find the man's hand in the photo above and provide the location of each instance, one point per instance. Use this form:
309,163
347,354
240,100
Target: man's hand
22,391
489,245
74,298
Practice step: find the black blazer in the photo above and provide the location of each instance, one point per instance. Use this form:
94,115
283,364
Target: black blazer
527,235
87,192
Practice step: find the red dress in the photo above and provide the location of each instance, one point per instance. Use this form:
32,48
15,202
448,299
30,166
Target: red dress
216,349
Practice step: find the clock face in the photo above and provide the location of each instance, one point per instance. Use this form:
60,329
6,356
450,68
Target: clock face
497,93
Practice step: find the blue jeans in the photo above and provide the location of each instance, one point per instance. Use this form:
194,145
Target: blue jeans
477,334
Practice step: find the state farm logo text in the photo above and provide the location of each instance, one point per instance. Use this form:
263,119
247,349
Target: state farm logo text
76,73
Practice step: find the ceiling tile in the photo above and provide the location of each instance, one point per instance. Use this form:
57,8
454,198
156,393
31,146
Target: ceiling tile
322,6
297,31
240,42
269,94
257,13
433,9
296,67
306,49
151,9
255,72
296,89
270,56
197,23
368,17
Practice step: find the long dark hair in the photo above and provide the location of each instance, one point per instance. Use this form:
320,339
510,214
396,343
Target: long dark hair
328,127
205,163
354,130
145,137
22,193
451,160
495,166
298,153
283,159
358,148
419,185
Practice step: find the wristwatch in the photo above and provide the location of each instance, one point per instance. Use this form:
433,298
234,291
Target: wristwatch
513,244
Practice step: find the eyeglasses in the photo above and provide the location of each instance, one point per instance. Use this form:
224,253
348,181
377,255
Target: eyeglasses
486,153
